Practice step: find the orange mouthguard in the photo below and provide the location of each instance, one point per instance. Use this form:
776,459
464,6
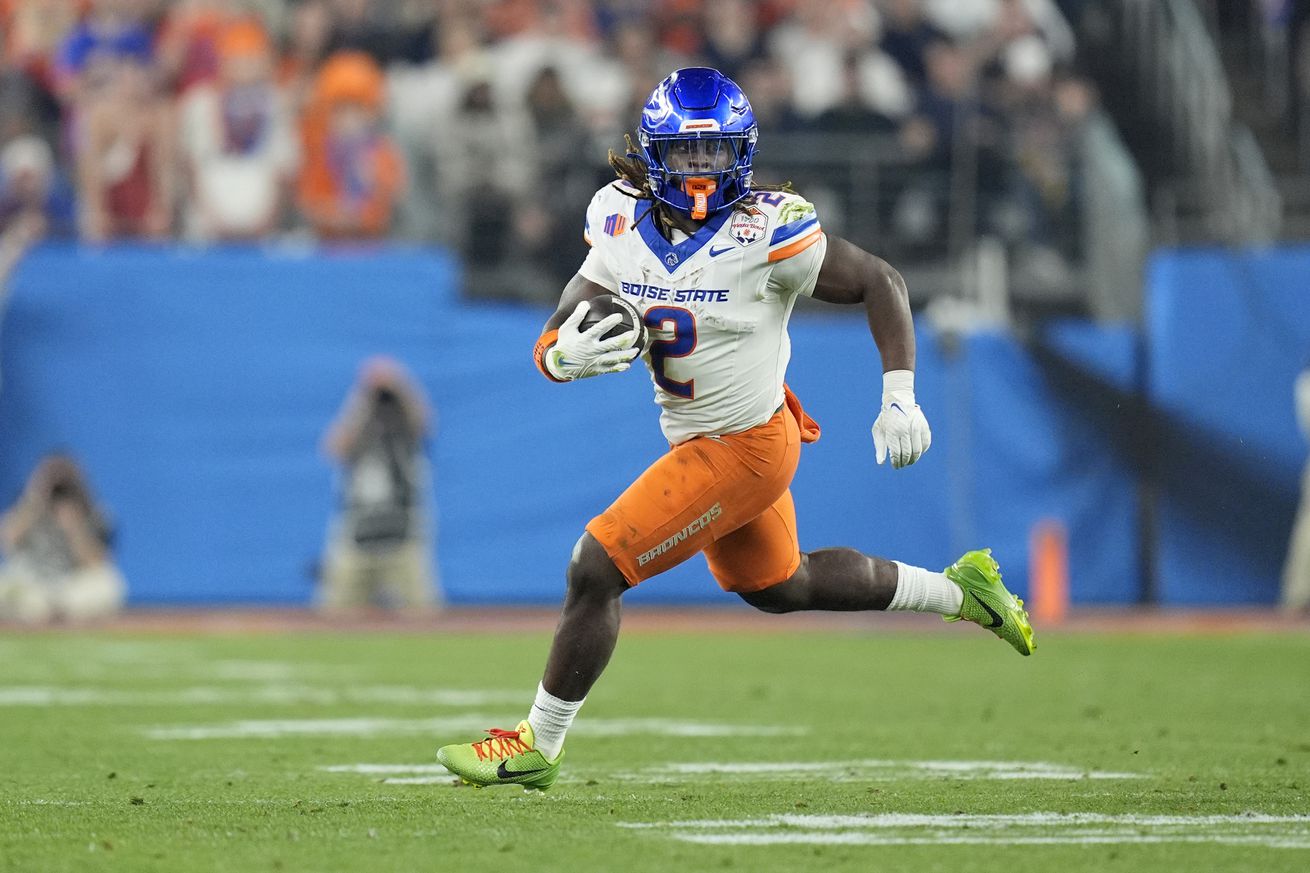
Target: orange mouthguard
700,189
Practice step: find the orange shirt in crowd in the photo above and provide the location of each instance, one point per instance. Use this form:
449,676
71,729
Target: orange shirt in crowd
353,174
341,207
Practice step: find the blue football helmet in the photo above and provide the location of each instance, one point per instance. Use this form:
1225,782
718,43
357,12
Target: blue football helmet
698,138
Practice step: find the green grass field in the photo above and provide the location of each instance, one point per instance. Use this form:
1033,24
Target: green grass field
800,751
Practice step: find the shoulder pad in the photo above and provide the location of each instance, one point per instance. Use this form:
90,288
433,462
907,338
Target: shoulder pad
783,207
793,226
610,212
622,186
795,208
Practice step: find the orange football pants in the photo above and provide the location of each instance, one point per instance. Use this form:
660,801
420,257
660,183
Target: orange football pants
727,496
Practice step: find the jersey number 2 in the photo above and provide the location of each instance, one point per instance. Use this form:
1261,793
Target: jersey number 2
683,343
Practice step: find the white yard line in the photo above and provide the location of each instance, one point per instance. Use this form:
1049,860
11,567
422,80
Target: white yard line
397,774
434,696
876,821
41,695
860,839
384,769
307,727
870,769
463,723
267,671
1041,828
616,727
41,801
133,652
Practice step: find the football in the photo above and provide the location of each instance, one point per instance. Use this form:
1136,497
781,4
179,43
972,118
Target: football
608,304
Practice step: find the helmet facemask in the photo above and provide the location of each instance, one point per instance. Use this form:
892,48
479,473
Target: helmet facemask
699,174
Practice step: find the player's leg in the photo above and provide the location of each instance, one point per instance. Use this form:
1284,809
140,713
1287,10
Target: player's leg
588,625
584,640
588,629
841,579
762,562
699,491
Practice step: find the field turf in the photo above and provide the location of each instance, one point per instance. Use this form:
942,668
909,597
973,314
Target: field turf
797,751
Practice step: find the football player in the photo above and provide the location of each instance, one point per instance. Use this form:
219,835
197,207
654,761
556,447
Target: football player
715,265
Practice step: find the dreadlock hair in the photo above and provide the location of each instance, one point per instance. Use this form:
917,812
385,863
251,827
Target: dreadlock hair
631,169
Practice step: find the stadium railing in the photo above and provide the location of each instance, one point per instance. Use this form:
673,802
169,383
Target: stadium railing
939,224
1211,183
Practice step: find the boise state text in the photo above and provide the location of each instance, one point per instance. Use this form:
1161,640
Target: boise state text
668,295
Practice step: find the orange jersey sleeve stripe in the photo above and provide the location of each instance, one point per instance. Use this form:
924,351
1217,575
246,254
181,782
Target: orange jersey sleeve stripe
797,247
547,340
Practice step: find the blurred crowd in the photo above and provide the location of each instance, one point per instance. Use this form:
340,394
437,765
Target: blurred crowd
483,124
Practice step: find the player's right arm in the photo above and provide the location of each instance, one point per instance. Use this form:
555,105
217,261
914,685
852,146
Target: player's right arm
580,288
565,352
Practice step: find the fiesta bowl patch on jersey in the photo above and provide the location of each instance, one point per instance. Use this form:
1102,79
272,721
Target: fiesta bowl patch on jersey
748,225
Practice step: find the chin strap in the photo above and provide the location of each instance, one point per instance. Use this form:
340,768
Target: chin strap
700,189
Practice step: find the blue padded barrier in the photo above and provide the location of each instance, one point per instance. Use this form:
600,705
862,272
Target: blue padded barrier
196,387
1228,332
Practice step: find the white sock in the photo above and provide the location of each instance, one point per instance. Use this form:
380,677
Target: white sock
550,719
920,590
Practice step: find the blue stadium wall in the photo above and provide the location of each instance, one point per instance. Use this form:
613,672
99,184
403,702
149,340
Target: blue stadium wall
196,387
1228,333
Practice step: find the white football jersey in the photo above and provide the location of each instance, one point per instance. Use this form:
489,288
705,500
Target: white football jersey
717,303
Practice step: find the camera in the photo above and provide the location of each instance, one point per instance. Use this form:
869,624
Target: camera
63,490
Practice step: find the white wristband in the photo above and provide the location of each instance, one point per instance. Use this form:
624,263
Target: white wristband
897,381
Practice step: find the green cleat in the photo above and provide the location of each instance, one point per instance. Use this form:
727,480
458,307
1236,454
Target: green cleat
987,601
503,758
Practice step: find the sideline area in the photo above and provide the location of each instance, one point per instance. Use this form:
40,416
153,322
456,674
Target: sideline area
641,619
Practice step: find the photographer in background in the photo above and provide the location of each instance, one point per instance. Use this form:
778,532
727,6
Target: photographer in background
56,547
378,549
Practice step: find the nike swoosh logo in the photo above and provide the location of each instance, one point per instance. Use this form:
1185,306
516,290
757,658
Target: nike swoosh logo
997,621
514,774
897,407
715,252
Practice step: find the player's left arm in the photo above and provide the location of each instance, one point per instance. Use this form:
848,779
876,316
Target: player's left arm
849,275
